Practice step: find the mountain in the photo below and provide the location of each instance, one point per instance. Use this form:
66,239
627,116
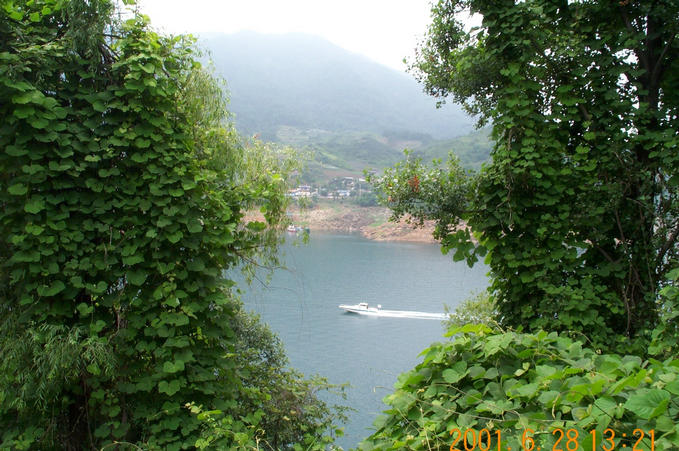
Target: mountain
473,149
303,82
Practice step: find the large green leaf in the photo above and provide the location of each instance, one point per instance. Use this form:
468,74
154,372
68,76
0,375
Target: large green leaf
50,290
137,277
169,388
18,189
648,403
35,205
455,373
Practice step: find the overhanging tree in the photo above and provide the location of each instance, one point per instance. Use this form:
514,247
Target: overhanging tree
578,209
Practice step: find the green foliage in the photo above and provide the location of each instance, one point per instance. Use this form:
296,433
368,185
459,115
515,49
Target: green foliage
666,334
291,412
577,215
579,208
123,187
430,192
515,382
277,408
367,199
478,309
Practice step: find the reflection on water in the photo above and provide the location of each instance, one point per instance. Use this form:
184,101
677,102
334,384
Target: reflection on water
301,306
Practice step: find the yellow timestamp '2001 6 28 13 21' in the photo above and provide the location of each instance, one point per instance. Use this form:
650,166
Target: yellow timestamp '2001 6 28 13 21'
565,440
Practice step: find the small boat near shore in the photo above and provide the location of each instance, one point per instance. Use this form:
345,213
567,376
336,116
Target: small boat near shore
362,308
296,229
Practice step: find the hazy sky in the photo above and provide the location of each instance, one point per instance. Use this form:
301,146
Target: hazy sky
383,30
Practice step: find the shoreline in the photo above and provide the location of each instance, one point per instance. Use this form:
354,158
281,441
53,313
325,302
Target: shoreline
371,222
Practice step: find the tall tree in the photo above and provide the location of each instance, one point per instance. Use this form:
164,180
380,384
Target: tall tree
122,193
578,210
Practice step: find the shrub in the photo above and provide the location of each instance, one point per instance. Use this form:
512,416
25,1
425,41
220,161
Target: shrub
478,309
527,388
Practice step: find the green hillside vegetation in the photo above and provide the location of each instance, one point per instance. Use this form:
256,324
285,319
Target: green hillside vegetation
346,150
472,149
350,153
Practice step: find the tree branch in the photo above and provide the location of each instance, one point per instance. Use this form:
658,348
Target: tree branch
669,243
641,55
659,69
603,252
585,113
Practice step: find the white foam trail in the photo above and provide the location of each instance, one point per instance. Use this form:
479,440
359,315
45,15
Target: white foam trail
395,313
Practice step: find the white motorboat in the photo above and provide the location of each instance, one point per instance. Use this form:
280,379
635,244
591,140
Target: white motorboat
363,308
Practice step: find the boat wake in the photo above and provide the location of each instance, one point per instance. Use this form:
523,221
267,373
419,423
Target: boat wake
364,309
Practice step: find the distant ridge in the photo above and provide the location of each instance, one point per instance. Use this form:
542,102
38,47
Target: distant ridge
306,82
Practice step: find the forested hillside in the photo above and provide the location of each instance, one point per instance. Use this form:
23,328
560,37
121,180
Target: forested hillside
352,152
349,112
473,149
305,82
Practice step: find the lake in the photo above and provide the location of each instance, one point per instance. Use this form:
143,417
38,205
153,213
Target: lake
300,305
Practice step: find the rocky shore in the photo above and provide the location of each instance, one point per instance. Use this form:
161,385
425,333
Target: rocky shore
371,222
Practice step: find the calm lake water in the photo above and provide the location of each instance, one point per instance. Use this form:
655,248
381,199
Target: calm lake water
300,305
